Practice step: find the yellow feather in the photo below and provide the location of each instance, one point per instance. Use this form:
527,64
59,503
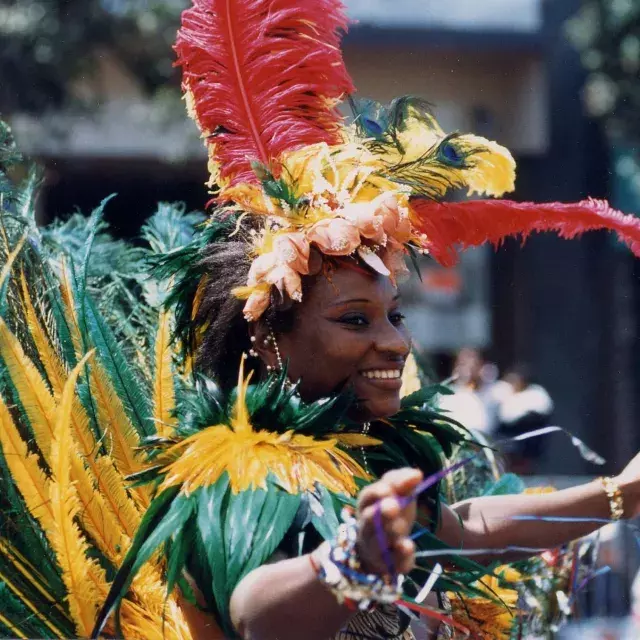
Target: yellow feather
34,394
66,294
17,633
66,539
199,296
122,440
112,417
25,470
240,420
111,486
121,436
164,401
357,440
50,359
23,598
98,520
297,461
10,259
410,377
109,504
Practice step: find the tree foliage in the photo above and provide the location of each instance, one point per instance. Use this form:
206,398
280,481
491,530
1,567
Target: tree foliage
47,46
607,34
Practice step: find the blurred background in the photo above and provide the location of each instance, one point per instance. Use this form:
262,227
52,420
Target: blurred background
90,90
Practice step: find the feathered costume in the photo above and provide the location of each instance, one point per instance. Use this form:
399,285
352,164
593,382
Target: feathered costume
122,469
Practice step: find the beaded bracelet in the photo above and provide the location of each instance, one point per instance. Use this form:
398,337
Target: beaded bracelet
338,567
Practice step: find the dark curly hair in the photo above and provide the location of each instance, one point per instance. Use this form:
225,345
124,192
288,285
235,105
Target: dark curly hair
219,321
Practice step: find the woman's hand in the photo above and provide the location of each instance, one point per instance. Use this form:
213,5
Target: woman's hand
397,522
629,483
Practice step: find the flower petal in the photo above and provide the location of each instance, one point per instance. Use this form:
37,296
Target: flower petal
373,260
293,249
334,236
365,217
286,280
256,305
260,267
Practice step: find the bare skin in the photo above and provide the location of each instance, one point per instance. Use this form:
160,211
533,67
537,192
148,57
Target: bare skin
344,329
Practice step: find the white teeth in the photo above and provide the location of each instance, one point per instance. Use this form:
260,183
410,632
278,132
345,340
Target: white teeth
382,374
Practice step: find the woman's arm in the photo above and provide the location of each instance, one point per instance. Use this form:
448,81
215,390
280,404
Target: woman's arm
488,523
286,600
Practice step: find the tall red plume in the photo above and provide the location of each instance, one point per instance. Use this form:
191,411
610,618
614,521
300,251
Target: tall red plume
264,75
454,225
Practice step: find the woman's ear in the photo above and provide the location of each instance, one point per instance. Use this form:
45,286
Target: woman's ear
260,336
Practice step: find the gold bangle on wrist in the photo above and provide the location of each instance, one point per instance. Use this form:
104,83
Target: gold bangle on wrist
614,494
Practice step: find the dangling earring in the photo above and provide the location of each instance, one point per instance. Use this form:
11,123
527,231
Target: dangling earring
271,338
252,352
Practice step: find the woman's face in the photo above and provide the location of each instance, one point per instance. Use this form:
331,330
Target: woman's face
349,332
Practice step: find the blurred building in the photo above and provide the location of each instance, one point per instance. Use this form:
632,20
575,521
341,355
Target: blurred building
501,68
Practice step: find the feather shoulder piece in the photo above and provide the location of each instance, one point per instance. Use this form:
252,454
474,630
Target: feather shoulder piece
233,479
262,77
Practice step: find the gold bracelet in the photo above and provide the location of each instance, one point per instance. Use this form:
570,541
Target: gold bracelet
614,494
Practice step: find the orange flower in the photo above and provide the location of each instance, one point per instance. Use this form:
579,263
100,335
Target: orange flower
396,223
365,217
335,236
260,267
293,249
256,304
393,259
286,279
371,258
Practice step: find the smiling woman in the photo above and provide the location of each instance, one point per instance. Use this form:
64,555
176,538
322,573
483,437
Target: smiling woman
349,334
251,427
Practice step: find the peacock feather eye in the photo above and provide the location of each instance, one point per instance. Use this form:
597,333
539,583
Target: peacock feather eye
450,154
372,127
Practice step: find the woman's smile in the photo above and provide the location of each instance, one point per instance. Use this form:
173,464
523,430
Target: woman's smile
388,378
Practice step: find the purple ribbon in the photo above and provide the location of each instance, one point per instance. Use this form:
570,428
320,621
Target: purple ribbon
423,486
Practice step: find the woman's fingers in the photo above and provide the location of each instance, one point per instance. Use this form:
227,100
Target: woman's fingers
394,522
404,555
402,481
373,494
383,504
399,482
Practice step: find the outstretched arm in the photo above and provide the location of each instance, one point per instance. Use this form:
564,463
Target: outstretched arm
488,523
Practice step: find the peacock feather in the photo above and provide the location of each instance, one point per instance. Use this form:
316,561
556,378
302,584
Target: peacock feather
406,138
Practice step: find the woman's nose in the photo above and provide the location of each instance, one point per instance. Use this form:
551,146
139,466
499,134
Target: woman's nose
392,340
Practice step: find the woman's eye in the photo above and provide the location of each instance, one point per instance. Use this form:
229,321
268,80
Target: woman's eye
355,320
396,318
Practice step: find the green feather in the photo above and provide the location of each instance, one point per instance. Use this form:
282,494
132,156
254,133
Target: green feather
129,386
156,526
211,503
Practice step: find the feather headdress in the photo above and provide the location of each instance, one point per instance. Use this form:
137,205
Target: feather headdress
262,79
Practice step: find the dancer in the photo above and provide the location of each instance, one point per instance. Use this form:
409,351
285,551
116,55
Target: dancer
223,437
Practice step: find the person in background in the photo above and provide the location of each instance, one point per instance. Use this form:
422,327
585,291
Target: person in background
523,406
476,396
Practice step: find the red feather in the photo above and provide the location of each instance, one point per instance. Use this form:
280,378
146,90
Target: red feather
472,223
265,76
